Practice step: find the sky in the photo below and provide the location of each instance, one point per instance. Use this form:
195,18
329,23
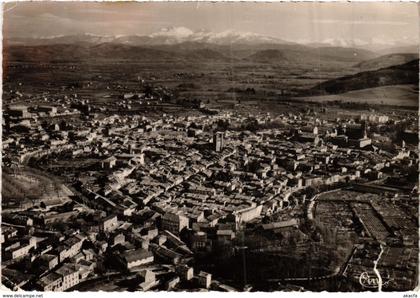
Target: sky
299,22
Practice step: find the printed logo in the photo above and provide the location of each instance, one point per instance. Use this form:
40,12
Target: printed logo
371,281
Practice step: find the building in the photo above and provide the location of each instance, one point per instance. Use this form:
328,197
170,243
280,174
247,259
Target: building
359,143
352,135
50,283
355,131
339,140
204,279
21,249
116,239
70,276
218,141
185,272
308,138
18,220
50,261
247,214
18,111
172,283
109,163
147,276
174,222
374,118
73,245
199,241
49,110
109,224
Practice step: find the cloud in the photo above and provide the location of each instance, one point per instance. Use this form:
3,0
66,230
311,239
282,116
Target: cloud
359,22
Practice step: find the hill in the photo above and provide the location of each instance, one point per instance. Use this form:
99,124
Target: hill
314,56
206,55
395,75
188,51
45,53
410,49
106,51
386,61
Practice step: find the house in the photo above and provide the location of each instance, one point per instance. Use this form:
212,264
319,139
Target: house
109,163
102,245
89,254
18,111
147,279
61,252
246,214
166,254
8,232
49,110
308,138
18,220
117,239
204,279
151,233
84,268
21,249
172,283
73,245
50,283
174,222
109,224
185,272
70,276
147,276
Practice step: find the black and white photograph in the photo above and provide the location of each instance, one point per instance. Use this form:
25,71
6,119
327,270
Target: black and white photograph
210,146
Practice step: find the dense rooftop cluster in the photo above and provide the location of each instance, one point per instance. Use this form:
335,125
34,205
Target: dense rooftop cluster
133,196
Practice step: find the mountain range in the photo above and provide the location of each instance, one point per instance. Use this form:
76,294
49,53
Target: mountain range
166,36
188,52
182,35
68,50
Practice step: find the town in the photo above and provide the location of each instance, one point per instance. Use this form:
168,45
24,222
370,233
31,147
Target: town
152,192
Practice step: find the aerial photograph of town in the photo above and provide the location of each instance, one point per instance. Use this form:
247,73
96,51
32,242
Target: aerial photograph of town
213,146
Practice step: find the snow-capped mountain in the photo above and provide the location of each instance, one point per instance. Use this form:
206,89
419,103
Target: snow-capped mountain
172,35
165,36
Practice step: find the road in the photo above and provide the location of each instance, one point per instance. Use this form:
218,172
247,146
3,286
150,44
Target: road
309,278
313,202
89,284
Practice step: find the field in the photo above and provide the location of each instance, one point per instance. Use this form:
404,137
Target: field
397,95
209,82
101,82
21,185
